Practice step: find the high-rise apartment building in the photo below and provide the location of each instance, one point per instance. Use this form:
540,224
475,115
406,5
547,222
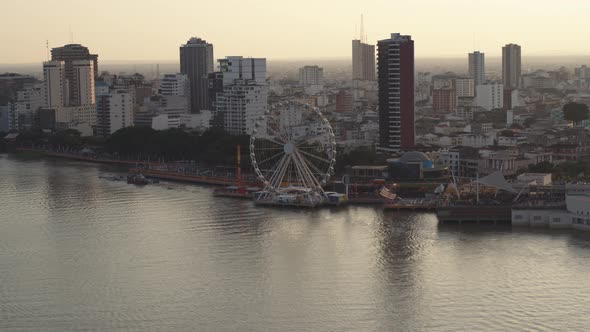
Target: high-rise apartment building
477,67
83,82
55,87
68,54
114,111
196,61
511,66
465,87
312,79
175,85
363,61
395,62
245,94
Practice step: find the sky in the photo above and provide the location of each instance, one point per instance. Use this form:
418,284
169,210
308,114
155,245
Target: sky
146,30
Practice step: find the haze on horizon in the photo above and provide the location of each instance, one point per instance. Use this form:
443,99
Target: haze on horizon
139,30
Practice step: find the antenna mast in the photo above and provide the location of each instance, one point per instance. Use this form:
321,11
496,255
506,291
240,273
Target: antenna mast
362,37
47,46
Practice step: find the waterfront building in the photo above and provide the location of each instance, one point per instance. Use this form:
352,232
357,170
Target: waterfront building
55,87
244,95
511,66
476,64
176,85
69,54
22,108
396,92
196,61
114,111
83,82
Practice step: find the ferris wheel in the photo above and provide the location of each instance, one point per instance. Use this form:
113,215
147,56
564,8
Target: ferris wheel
293,152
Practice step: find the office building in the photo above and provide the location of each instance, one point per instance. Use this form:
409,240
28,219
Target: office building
477,67
511,66
395,62
69,54
196,61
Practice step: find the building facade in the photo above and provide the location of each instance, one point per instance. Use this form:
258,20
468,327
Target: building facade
511,66
477,67
396,92
444,99
55,87
114,111
490,96
196,61
363,61
312,79
245,94
69,54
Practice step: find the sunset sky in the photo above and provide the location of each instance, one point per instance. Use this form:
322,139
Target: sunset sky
153,29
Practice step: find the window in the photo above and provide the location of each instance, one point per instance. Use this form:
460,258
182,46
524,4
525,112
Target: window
537,218
556,220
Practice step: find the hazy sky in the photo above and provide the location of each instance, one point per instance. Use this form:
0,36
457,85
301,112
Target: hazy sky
277,29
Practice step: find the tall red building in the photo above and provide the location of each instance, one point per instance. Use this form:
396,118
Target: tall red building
396,92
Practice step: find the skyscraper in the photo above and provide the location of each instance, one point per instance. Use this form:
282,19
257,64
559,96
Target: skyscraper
363,58
477,67
68,54
511,66
54,84
196,61
395,63
83,82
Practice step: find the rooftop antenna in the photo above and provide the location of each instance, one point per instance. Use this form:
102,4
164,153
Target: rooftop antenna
362,37
47,46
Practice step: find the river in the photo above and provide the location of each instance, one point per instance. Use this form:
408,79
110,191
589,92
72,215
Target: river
78,252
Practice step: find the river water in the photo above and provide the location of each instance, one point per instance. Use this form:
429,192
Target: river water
82,253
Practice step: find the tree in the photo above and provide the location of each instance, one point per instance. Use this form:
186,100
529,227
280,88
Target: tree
575,112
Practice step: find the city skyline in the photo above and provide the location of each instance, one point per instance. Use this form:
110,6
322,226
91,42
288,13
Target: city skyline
137,32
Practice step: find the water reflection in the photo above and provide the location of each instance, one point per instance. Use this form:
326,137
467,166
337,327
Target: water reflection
78,252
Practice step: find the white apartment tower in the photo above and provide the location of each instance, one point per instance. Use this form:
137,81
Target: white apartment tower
84,81
245,93
477,67
312,79
114,110
55,86
175,85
